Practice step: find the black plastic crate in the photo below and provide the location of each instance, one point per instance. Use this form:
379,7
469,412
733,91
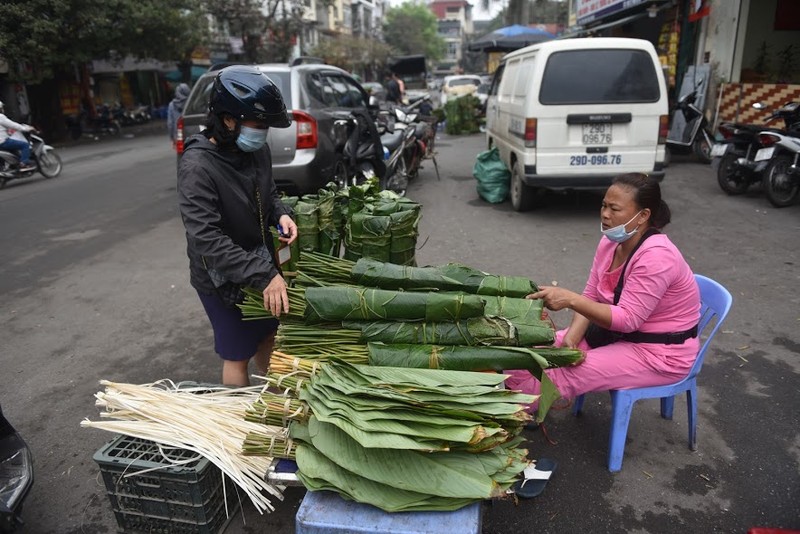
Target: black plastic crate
186,497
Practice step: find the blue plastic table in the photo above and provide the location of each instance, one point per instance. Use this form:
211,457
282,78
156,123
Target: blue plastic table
324,512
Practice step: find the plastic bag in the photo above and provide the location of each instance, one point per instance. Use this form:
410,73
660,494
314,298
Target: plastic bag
492,175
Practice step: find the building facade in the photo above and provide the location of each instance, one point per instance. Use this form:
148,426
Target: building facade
455,25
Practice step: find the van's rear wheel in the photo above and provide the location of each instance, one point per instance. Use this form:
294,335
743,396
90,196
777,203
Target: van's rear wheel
523,197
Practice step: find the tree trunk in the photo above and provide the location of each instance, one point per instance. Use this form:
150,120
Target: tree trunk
525,15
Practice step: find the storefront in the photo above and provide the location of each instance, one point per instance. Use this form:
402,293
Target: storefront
752,47
749,46
664,23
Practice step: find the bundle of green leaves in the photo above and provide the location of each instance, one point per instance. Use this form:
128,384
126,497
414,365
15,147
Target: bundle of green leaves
410,439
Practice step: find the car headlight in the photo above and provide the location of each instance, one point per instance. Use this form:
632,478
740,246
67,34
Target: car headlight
16,472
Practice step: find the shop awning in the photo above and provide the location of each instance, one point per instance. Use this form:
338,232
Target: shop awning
177,76
104,66
509,38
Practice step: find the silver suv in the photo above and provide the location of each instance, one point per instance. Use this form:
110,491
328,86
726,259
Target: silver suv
307,155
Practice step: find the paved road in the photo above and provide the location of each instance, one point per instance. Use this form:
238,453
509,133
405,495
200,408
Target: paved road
94,286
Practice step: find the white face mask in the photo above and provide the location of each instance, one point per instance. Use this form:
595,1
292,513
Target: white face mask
618,234
251,139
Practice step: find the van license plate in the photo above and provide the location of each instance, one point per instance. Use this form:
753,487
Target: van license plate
764,153
719,150
597,134
595,159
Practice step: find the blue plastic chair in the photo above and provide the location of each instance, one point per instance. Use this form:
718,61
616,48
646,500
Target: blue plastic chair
715,301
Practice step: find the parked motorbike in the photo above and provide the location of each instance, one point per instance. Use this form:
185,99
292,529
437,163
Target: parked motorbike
395,145
374,144
358,139
417,116
16,475
47,161
696,137
139,114
737,168
782,177
103,123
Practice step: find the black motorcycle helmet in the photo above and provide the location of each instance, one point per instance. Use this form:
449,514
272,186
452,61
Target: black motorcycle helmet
246,93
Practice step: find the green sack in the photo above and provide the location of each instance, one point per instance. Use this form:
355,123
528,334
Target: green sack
492,175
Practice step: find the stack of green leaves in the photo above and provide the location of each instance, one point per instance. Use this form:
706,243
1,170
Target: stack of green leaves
381,226
462,115
409,439
339,303
329,304
462,358
328,234
319,270
321,342
473,331
307,220
368,235
404,227
450,277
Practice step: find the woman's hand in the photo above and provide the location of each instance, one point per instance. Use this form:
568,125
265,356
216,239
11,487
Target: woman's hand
276,300
289,229
555,298
570,341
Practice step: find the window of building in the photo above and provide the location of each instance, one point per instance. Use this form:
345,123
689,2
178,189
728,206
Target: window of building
452,50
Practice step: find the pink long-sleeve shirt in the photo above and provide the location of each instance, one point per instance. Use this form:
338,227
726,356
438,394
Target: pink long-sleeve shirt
659,294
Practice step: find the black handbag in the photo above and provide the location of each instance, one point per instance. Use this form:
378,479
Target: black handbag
597,336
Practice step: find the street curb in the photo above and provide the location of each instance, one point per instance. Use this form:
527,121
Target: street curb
152,127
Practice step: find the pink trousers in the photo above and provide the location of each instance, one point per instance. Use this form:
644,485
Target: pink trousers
620,365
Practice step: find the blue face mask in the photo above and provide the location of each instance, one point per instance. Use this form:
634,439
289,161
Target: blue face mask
251,139
618,234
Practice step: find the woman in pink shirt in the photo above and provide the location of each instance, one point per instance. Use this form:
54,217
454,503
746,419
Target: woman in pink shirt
651,329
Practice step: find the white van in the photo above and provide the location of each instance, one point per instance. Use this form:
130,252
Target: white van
574,113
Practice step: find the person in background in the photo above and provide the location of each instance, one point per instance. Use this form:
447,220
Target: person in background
175,109
7,143
393,93
228,201
402,85
637,316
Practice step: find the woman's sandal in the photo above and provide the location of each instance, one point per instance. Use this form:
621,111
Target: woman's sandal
536,476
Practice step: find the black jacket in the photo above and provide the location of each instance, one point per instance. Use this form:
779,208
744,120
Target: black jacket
217,198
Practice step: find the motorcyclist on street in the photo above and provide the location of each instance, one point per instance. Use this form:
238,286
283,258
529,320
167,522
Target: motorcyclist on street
7,143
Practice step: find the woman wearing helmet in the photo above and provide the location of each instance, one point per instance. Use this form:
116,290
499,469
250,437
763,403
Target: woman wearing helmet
228,202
